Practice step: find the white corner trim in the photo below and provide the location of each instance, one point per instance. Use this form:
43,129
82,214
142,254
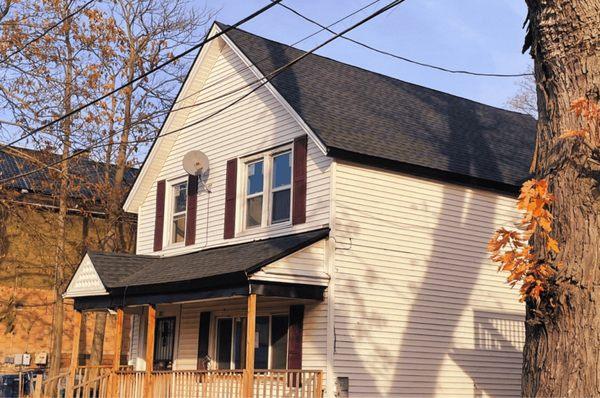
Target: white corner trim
86,281
277,95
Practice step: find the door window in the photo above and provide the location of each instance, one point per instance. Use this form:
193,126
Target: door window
164,341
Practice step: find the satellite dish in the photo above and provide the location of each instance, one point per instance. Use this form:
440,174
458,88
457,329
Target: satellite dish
195,163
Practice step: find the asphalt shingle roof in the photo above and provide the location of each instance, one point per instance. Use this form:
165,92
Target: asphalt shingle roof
129,270
15,161
362,112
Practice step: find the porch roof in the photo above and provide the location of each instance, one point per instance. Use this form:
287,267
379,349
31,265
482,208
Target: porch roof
214,272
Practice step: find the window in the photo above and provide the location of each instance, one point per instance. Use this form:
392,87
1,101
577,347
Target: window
178,212
270,344
268,189
163,343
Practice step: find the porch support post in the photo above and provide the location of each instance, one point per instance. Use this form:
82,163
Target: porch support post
77,321
150,350
250,336
114,385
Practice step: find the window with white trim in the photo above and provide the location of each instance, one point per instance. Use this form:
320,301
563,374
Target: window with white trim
267,188
178,204
270,342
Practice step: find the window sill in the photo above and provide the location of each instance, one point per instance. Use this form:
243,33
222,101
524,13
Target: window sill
174,246
269,228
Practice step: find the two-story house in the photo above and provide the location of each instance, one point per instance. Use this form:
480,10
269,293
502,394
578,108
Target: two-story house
334,246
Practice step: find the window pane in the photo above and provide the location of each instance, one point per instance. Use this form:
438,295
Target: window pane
163,343
282,170
281,206
178,229
255,178
180,197
279,333
261,343
224,327
253,211
239,345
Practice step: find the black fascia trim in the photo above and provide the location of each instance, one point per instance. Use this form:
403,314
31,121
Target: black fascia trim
114,301
287,290
421,171
269,289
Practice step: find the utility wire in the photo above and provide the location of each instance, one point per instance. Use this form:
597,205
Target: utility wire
45,32
412,61
322,29
144,75
235,73
263,82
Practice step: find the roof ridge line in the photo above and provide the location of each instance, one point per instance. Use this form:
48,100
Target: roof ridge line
375,72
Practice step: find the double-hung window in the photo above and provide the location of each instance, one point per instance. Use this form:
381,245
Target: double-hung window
178,212
270,342
268,189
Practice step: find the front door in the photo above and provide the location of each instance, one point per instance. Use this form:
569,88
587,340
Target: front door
164,343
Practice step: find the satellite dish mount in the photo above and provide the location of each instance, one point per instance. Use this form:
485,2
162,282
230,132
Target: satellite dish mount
196,163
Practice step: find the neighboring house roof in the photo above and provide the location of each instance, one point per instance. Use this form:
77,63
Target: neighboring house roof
128,271
369,115
85,174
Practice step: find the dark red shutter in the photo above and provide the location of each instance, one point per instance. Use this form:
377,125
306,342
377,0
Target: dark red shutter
299,187
230,195
159,219
192,204
295,337
203,336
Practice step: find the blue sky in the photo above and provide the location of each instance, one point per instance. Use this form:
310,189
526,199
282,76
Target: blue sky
478,35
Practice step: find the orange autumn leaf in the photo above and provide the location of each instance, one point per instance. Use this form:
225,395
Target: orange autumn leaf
510,249
552,244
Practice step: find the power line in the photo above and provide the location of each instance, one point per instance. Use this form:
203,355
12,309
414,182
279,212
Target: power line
263,82
45,32
145,74
402,58
234,73
224,78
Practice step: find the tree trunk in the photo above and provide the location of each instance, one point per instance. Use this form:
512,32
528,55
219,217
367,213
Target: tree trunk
561,356
61,247
98,340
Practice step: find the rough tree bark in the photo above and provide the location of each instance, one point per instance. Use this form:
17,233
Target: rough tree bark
562,347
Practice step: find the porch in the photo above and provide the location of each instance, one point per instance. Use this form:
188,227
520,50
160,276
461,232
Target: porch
255,352
198,331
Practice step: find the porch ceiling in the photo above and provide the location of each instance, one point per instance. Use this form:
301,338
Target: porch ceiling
218,272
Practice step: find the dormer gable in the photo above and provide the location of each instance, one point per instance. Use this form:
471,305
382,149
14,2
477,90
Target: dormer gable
250,137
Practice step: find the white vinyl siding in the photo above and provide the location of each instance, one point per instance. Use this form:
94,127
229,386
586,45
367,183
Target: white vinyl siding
306,266
419,308
257,123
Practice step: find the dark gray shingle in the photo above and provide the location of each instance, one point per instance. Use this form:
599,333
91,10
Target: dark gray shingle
128,270
366,113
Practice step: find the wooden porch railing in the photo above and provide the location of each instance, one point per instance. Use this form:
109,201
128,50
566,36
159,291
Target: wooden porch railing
288,383
104,382
219,384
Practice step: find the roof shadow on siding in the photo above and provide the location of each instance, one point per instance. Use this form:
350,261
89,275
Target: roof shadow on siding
452,306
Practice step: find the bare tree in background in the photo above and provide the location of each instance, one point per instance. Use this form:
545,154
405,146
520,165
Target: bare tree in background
45,80
525,100
147,33
89,54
